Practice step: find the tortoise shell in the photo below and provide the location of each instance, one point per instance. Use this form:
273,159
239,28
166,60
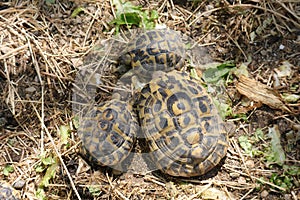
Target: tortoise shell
108,133
154,50
7,192
181,125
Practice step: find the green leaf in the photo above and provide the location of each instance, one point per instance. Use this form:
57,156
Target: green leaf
287,182
193,73
252,36
95,191
223,108
276,179
48,161
40,194
131,18
126,7
260,181
128,14
282,181
242,70
145,22
285,69
259,135
39,168
291,170
8,169
50,173
245,144
50,2
215,73
77,11
11,141
75,121
291,98
241,116
154,15
64,132
276,153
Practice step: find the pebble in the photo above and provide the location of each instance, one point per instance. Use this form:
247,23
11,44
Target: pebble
250,164
30,89
234,175
264,194
263,52
19,184
241,180
287,197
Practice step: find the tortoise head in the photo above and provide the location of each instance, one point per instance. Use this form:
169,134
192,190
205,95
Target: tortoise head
124,63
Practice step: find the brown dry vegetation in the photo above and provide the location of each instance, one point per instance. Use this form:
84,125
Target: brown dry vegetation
42,48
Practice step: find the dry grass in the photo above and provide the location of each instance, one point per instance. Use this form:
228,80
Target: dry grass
41,50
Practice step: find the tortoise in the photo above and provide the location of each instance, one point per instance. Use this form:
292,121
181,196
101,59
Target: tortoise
181,125
108,133
154,50
7,192
182,129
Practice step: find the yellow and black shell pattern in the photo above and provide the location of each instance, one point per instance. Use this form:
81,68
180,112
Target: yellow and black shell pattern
181,125
108,133
7,192
154,50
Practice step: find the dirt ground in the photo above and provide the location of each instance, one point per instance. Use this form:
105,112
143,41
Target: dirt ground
44,44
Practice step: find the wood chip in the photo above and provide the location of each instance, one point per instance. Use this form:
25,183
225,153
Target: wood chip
259,92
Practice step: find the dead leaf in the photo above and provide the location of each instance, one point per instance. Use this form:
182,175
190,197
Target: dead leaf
285,69
214,193
259,92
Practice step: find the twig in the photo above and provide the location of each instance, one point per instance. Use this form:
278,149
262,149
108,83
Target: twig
253,177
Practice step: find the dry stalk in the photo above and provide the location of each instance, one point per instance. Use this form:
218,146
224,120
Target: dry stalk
58,154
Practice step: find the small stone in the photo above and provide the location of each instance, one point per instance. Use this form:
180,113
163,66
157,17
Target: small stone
250,164
171,188
263,52
19,184
213,193
234,175
30,89
242,180
142,191
264,194
281,47
287,197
